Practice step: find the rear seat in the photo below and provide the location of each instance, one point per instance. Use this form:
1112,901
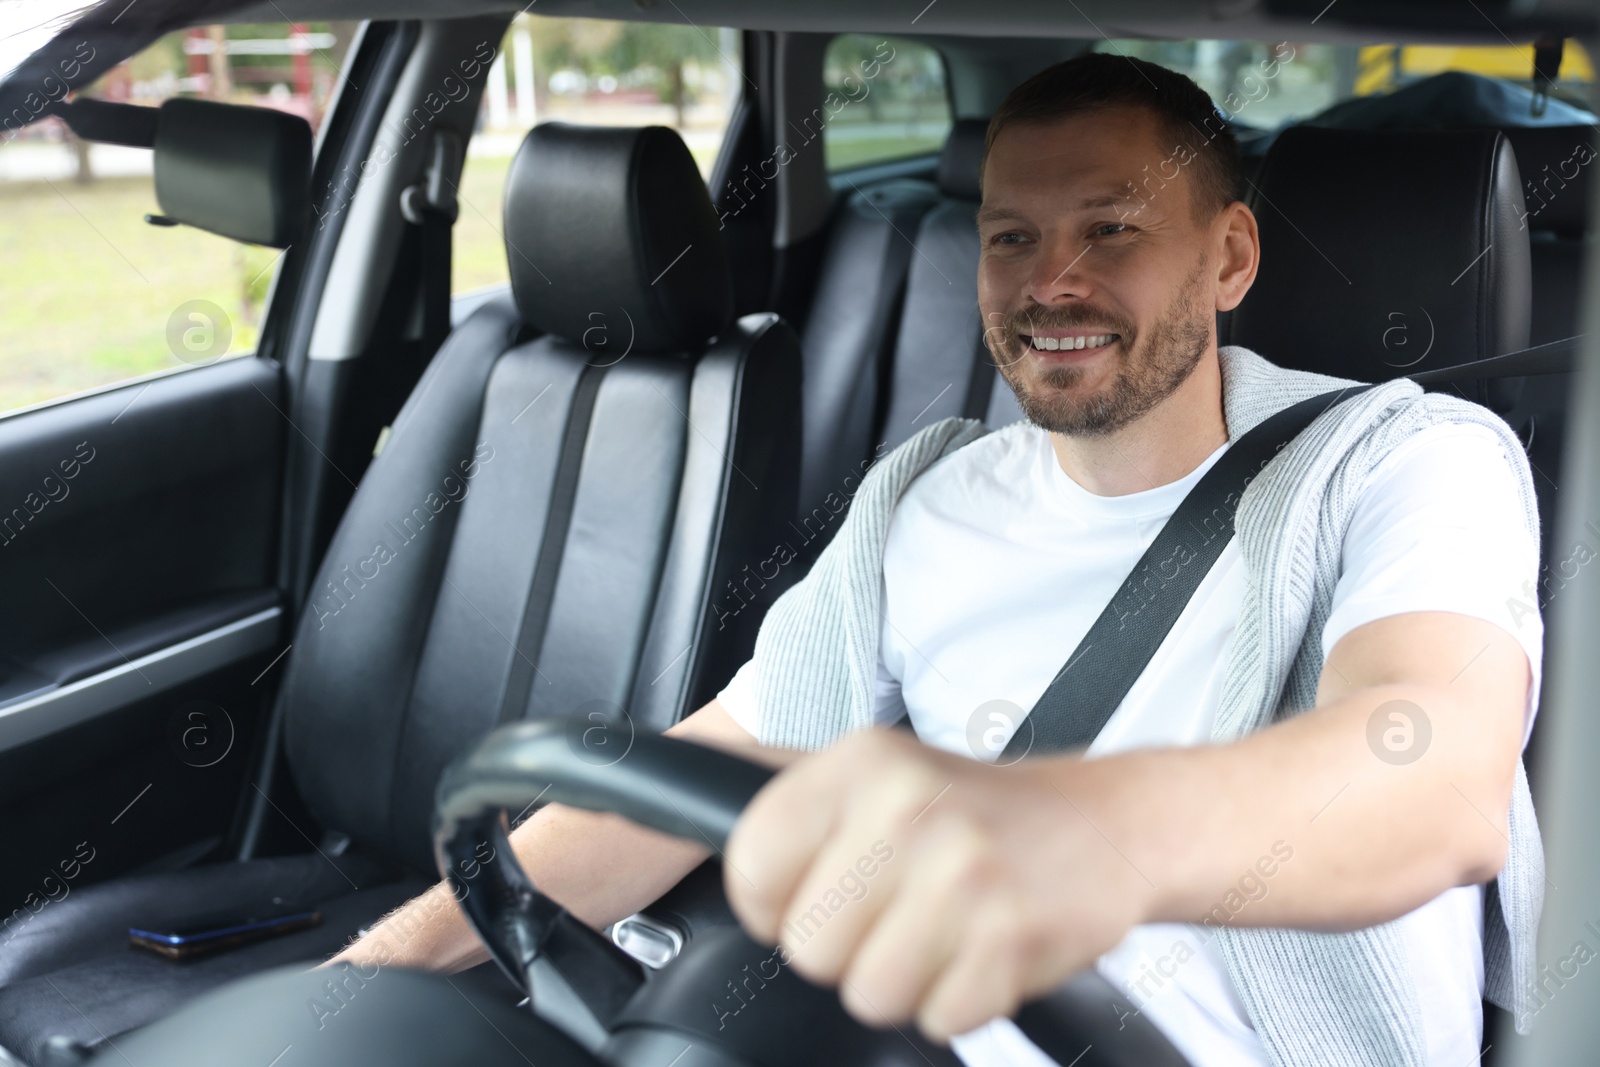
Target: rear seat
893,341
850,327
940,365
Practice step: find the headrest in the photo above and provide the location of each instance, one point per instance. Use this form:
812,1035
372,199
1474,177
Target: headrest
1554,161
1386,252
615,222
962,158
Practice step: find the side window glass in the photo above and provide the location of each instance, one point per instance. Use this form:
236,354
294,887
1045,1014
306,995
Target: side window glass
883,99
92,295
596,72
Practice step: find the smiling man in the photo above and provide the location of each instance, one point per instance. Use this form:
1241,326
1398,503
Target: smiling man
1304,886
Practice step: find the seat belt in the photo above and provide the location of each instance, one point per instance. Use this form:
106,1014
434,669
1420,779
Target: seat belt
432,205
1121,642
1091,685
1552,357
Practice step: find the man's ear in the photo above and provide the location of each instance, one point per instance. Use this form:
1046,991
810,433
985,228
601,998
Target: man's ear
1239,253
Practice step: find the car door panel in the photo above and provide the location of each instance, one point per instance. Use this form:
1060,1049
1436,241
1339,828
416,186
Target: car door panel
138,532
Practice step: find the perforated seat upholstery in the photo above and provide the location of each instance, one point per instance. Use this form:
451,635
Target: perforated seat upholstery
544,534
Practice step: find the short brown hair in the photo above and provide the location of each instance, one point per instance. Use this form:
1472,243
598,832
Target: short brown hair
1100,80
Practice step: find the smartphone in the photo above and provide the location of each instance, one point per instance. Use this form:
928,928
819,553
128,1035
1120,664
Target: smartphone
213,934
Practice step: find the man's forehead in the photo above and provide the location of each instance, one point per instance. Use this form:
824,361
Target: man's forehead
1092,159
997,209
1102,129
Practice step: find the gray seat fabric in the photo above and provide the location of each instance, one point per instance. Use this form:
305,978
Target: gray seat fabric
545,533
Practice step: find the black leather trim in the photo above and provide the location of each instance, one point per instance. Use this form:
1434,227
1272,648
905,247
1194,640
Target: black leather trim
961,161
613,227
981,385
1385,253
741,473
941,329
90,922
529,642
850,329
340,1017
355,652
1554,162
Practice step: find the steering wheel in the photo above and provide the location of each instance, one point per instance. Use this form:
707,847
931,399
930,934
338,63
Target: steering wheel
760,1014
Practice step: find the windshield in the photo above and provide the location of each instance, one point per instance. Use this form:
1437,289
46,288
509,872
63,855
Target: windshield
1268,84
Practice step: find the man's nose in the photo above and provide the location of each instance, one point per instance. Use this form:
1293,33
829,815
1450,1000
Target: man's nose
1061,271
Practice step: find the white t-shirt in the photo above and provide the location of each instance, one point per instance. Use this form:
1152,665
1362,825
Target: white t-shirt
996,564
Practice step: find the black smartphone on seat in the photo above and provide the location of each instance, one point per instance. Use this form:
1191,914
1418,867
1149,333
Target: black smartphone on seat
215,933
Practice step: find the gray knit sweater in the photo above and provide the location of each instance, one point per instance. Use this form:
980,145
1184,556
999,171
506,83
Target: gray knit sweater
1342,999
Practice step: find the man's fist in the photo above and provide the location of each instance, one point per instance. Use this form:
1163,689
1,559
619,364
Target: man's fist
930,886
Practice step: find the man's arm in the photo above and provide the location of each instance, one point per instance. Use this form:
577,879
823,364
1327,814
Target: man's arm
1000,882
600,867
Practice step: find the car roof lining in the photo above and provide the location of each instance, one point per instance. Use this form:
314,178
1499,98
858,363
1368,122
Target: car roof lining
1348,21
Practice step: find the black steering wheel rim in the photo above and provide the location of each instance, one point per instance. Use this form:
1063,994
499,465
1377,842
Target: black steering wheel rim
677,787
696,793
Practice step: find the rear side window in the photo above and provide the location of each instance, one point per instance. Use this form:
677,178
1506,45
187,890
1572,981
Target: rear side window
883,99
597,72
92,295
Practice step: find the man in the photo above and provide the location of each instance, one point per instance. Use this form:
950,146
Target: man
1187,871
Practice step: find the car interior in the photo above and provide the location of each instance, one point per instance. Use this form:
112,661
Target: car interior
289,590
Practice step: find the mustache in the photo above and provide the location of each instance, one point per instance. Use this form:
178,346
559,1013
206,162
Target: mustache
1001,335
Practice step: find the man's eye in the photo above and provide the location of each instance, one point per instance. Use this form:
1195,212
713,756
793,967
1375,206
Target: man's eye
1110,229
1008,239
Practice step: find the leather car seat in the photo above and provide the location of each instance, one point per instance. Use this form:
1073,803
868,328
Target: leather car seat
548,531
1388,252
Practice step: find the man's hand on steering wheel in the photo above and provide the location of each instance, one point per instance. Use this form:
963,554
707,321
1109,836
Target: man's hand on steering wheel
927,885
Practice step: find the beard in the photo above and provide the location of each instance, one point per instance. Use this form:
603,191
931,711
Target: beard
1147,373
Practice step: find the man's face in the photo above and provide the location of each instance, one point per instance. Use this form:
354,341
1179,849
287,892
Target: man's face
1096,283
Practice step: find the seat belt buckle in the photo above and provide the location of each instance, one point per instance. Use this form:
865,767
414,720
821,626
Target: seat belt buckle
435,194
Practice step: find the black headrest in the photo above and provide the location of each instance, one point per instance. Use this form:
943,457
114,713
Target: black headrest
615,222
1554,161
1385,252
961,159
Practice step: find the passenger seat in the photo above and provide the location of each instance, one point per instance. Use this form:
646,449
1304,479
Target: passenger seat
546,533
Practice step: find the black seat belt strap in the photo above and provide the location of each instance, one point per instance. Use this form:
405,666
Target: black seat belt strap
1553,357
432,205
1090,686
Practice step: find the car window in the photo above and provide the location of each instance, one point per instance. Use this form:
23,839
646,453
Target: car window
1266,84
90,293
592,71
884,99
